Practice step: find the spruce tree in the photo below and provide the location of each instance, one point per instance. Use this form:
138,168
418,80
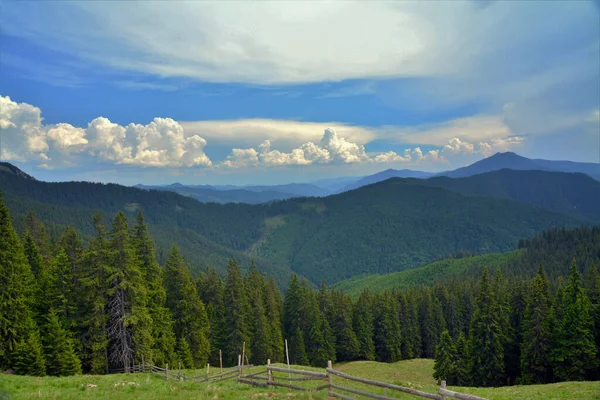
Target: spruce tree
432,322
363,325
38,232
18,331
129,323
536,345
293,322
28,357
163,347
387,339
94,315
60,348
237,313
592,286
463,358
273,310
210,290
486,337
189,313
347,346
444,367
184,354
574,352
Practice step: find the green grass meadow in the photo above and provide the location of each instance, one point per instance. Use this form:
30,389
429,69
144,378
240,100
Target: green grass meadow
410,373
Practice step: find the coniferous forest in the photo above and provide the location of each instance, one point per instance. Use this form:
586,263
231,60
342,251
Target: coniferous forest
70,305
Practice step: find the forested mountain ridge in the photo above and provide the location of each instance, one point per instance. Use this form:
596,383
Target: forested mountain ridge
554,248
385,227
575,194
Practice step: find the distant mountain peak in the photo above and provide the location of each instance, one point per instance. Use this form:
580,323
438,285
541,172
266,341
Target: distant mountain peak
12,169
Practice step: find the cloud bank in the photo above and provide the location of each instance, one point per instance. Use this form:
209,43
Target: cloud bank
161,143
167,143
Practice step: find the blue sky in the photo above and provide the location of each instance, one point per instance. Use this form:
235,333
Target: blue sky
272,92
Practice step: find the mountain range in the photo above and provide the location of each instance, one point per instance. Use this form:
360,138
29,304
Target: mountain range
268,193
388,226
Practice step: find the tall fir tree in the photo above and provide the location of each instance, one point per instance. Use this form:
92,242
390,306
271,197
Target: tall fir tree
94,316
486,337
387,339
292,322
463,358
432,322
363,325
60,348
19,334
444,366
536,345
574,352
347,346
129,324
189,313
237,313
210,290
592,286
163,348
273,311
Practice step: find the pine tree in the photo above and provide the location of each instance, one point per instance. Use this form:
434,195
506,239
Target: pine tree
462,361
210,290
163,348
37,230
237,312
184,353
486,338
387,339
444,367
255,286
59,288
94,314
592,286
536,345
347,346
28,357
60,348
129,325
18,331
432,323
273,311
363,325
189,313
293,322
574,352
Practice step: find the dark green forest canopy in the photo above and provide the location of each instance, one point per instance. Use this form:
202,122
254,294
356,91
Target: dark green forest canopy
385,227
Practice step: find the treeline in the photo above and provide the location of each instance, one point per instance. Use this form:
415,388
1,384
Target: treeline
69,307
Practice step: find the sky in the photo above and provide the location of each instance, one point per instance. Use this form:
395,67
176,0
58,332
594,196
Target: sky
273,92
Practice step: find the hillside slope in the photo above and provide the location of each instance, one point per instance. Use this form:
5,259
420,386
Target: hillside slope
385,227
575,194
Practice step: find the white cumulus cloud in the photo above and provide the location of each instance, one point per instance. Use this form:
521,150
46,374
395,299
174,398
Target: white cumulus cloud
161,143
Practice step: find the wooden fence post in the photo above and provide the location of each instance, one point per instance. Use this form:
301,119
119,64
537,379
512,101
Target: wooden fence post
269,371
330,377
221,360
243,355
167,372
207,369
239,365
179,376
143,370
443,386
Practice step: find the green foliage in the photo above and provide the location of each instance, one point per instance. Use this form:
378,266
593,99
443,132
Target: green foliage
363,326
486,337
28,357
60,348
189,313
575,351
387,339
536,344
444,367
236,321
17,327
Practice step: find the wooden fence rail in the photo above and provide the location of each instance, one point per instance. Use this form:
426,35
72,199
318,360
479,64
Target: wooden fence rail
258,378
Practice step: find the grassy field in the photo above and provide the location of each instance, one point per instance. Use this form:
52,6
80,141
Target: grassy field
411,373
427,274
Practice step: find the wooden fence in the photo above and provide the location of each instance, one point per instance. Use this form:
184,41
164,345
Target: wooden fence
267,377
272,375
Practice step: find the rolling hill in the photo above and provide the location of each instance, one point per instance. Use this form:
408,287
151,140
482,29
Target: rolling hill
514,161
575,194
384,227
